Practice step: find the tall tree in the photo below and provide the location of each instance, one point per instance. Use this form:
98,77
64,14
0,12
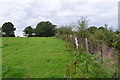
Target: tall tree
8,29
82,26
91,30
28,31
45,29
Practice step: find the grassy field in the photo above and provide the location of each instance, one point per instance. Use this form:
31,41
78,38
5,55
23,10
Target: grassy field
48,58
33,58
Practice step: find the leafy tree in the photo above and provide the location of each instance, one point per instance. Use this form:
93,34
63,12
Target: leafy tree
91,29
45,29
117,32
28,31
104,35
8,29
65,30
82,26
101,28
82,34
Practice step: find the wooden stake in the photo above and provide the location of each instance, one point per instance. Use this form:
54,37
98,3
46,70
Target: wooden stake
86,41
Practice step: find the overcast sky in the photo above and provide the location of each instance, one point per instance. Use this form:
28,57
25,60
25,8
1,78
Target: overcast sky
23,13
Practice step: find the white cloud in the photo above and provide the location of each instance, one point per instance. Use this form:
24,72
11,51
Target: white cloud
64,13
29,12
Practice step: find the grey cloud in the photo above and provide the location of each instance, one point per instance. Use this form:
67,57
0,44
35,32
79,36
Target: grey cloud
59,12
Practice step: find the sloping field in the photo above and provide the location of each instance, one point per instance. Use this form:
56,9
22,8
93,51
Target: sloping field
33,58
41,57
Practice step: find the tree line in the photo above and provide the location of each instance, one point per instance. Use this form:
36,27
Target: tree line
104,34
43,29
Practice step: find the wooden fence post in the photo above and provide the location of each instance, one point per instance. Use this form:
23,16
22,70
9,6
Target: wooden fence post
76,43
86,41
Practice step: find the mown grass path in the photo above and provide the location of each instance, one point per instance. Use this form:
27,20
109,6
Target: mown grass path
33,57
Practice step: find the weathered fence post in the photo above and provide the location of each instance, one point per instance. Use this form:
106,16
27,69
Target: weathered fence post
86,42
76,43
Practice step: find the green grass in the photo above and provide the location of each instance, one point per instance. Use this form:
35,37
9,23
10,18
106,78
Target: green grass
33,58
48,58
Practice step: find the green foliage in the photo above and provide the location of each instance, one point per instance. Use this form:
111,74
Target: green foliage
64,33
117,44
28,31
45,29
81,64
65,30
104,35
84,65
8,29
91,29
82,26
